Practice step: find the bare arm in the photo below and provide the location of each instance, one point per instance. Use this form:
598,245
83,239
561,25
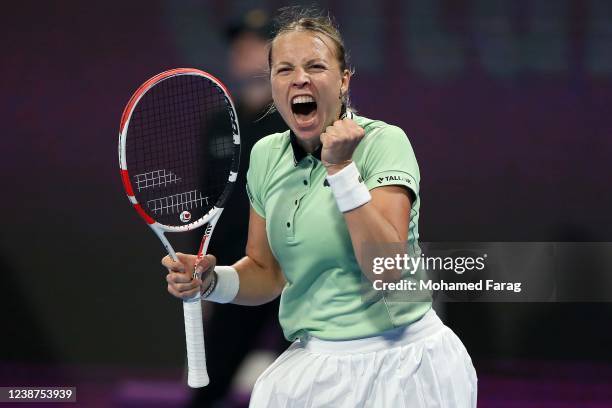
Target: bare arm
261,278
385,219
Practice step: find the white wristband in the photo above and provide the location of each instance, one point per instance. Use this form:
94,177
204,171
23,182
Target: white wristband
348,188
228,283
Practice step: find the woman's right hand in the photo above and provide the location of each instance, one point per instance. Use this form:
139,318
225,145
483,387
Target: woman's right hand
181,280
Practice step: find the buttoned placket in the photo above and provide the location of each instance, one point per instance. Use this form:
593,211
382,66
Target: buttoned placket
305,169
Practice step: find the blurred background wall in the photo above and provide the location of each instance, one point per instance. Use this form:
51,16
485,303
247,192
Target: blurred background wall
506,102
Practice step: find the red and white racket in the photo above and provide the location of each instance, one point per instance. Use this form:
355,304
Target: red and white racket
179,148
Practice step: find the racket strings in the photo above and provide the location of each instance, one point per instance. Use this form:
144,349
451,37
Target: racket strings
155,178
180,147
177,203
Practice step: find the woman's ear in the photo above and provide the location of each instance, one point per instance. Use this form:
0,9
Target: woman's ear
346,79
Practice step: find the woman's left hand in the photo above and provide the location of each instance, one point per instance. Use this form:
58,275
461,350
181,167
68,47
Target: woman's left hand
339,142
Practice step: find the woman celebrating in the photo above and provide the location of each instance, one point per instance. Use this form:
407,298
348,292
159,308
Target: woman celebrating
318,193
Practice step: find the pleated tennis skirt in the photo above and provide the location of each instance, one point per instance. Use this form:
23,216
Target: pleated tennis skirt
420,365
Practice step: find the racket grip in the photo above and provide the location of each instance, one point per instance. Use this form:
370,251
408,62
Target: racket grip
197,376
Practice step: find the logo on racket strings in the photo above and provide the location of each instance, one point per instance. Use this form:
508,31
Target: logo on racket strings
185,216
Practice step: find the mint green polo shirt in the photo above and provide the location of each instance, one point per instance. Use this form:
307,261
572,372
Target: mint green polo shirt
309,238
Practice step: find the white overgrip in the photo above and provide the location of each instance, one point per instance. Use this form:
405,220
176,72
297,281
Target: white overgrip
197,375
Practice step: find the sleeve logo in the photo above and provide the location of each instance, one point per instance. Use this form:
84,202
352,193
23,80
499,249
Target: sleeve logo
393,178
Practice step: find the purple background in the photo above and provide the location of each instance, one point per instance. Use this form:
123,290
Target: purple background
506,103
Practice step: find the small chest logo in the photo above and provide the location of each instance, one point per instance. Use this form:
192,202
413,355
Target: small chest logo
185,216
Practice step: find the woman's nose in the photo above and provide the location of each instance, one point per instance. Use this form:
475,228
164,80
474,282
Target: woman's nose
301,78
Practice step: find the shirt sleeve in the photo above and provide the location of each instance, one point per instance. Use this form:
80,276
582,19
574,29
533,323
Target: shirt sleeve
255,178
390,160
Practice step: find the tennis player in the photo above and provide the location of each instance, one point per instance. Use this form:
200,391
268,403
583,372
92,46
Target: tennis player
318,192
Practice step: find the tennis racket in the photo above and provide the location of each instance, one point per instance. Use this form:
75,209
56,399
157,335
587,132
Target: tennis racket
179,148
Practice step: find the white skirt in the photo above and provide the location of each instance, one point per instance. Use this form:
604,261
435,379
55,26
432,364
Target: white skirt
420,365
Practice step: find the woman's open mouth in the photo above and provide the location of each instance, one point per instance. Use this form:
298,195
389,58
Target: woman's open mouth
304,108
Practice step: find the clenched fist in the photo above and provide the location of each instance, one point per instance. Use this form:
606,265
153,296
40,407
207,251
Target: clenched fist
339,142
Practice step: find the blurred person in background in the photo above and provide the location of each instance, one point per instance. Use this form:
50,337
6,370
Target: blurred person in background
228,345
